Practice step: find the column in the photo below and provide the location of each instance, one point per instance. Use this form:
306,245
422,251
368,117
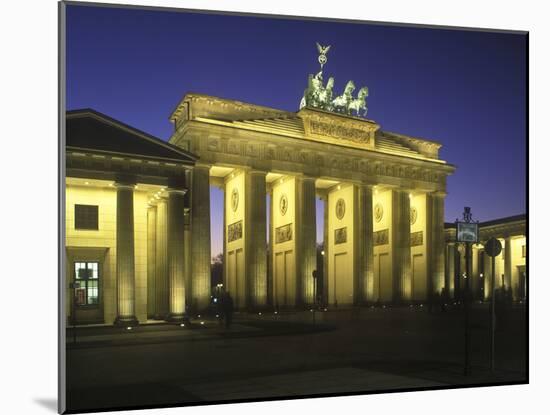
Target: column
187,251
450,278
255,237
151,259
401,245
325,248
306,239
125,268
200,237
508,263
270,271
364,246
436,254
224,271
161,259
176,263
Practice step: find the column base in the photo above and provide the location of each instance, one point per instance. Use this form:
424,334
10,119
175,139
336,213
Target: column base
176,318
131,321
160,317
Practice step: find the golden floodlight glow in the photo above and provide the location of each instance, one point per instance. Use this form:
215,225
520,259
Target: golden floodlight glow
86,183
339,187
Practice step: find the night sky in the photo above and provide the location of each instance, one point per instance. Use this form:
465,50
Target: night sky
465,89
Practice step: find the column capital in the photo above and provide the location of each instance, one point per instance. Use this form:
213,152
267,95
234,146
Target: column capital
125,185
256,171
199,165
171,191
438,193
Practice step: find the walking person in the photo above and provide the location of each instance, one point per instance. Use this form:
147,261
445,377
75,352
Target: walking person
228,309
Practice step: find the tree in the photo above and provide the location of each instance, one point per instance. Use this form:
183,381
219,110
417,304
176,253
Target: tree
216,270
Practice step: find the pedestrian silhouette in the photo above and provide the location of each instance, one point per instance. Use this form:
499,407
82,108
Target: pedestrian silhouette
227,306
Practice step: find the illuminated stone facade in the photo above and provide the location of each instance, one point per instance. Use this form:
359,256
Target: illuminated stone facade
384,239
383,194
510,264
126,210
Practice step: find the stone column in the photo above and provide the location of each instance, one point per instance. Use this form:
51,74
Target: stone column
365,249
187,253
255,239
401,245
176,263
306,239
508,263
161,259
224,268
436,254
450,277
325,248
270,269
125,267
151,259
200,237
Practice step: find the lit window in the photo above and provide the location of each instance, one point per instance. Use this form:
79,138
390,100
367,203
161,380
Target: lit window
87,283
86,217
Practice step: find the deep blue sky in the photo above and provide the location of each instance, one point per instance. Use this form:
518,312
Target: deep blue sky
464,89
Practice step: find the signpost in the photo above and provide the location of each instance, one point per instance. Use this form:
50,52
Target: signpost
493,248
74,286
467,232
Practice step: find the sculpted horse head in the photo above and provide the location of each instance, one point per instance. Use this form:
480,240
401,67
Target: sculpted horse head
350,87
360,102
341,103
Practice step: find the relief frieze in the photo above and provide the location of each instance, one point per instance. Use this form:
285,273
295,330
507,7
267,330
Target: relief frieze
355,135
381,237
235,231
340,236
417,238
283,233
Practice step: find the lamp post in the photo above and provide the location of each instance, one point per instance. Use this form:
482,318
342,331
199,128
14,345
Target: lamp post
467,232
493,247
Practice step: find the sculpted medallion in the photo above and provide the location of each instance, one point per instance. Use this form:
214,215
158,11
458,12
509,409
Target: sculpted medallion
378,212
234,199
283,204
340,208
414,215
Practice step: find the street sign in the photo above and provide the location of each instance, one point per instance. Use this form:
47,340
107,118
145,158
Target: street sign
466,232
493,247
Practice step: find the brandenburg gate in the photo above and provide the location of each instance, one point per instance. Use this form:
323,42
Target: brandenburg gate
383,195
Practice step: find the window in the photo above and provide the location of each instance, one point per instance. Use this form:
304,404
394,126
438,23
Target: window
523,250
87,283
86,217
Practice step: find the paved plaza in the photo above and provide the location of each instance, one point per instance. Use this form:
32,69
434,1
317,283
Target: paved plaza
289,354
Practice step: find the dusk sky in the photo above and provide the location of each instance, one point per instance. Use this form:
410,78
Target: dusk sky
464,89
